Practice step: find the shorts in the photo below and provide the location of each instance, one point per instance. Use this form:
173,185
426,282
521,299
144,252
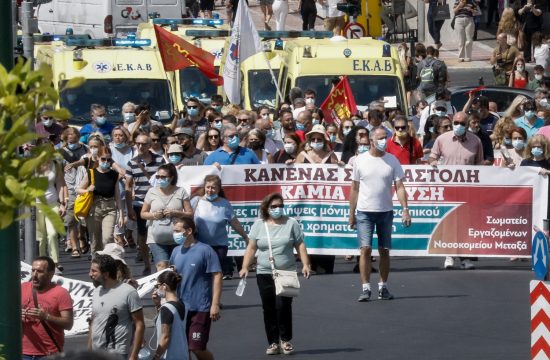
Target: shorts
161,252
206,5
367,221
197,329
141,223
70,220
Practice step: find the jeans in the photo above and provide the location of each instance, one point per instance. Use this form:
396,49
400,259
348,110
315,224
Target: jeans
47,236
33,357
277,311
101,222
465,27
434,27
161,253
367,222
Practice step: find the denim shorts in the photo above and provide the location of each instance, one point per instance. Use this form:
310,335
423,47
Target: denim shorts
366,222
161,252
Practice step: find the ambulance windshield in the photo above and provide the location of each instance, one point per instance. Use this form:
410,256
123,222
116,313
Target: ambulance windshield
113,93
193,83
261,88
365,88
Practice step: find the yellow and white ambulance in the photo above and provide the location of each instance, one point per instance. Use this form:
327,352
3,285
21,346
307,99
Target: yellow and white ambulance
116,71
372,67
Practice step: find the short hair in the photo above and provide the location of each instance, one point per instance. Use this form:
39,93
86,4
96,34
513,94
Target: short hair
430,50
94,107
227,127
68,131
47,259
106,264
310,92
170,278
538,68
483,102
258,133
128,104
172,172
376,115
373,132
124,131
530,104
187,223
216,98
264,206
144,106
400,118
285,111
294,93
230,118
420,50
193,99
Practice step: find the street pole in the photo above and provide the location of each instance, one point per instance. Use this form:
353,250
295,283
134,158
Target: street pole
421,20
27,29
30,235
10,283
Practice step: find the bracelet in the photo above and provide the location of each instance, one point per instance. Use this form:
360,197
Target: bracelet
406,208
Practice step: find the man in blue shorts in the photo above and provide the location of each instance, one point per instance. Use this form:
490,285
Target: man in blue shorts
374,174
201,286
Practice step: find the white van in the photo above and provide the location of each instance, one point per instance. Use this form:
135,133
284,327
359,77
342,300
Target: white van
103,18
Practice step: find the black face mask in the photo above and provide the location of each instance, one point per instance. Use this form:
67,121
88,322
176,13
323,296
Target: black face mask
255,145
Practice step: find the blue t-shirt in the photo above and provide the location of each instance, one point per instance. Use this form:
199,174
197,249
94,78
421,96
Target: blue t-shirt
212,219
531,130
244,156
105,130
196,265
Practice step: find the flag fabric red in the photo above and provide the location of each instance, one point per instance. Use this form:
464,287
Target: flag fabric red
177,54
339,104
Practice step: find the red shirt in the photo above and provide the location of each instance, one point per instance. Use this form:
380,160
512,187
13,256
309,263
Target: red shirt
403,153
36,340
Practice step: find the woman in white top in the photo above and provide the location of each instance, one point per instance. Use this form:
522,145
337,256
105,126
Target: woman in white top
541,51
255,140
280,12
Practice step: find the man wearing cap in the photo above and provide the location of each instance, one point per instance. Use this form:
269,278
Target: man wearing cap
231,153
190,154
457,147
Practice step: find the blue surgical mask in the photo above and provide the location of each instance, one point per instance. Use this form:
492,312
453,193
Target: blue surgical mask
440,113
47,123
174,158
518,144
179,238
163,183
218,125
73,146
276,213
381,144
120,146
333,138
193,112
431,129
234,142
529,114
211,197
129,117
104,165
316,145
316,122
218,108
459,130
507,141
537,151
300,126
363,149
100,120
161,293
346,131
270,133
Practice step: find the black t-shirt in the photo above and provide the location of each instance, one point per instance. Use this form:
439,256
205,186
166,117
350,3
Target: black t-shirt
545,164
281,157
71,156
166,316
532,23
105,183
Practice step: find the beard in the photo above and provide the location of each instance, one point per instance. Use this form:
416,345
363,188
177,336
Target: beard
97,283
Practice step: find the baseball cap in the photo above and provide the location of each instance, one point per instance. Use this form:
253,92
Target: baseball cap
113,250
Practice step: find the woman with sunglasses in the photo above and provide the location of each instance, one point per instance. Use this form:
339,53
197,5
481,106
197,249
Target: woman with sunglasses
107,202
286,235
162,205
170,320
212,139
317,148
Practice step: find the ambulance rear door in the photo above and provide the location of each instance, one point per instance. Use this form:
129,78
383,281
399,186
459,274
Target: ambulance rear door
127,14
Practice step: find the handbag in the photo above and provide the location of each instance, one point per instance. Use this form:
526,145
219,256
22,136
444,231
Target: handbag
83,203
442,12
286,281
453,22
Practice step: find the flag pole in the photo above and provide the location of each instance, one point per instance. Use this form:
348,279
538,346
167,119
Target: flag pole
273,75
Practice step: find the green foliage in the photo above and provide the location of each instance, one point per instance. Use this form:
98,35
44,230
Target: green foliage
22,92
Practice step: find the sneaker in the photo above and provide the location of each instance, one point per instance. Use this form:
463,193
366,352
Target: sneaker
227,277
467,265
449,262
287,347
365,296
384,294
273,349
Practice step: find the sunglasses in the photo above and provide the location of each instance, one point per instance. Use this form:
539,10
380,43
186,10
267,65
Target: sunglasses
104,159
192,107
162,177
243,119
316,140
275,206
459,123
155,140
213,136
401,128
172,142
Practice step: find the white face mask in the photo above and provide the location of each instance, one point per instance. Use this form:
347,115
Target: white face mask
520,67
94,151
538,77
310,101
289,148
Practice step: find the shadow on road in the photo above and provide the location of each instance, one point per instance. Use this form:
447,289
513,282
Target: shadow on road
328,351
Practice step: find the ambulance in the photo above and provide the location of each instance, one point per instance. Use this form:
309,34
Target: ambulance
372,67
116,71
207,34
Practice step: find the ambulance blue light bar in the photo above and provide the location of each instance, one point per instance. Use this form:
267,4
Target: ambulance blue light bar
295,34
108,42
206,33
38,38
201,22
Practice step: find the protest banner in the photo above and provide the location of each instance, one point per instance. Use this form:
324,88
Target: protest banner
82,294
456,210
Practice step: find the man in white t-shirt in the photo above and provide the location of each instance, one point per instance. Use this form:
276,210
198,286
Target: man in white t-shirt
374,174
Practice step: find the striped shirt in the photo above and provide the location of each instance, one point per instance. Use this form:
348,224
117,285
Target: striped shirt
141,180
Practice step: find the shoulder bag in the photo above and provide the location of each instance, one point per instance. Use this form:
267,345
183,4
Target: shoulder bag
46,327
161,229
83,203
286,282
442,12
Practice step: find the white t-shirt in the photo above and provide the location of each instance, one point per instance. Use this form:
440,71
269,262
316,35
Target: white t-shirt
376,176
542,57
429,110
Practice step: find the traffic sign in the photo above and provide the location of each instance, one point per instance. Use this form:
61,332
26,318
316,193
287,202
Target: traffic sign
354,30
539,255
540,319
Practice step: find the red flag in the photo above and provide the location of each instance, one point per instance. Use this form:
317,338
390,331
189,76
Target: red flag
340,103
177,53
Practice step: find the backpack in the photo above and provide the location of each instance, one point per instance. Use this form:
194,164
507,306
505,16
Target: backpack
427,74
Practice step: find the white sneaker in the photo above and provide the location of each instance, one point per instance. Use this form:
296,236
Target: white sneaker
449,262
467,265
